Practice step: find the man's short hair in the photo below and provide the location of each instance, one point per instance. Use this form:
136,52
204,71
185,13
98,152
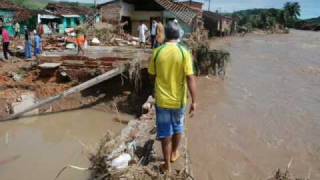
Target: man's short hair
172,31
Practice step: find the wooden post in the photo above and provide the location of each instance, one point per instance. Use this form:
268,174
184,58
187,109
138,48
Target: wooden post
76,89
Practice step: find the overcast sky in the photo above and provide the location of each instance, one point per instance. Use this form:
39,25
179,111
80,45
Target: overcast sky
310,8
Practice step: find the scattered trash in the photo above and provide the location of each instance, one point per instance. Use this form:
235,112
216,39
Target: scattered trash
72,167
121,162
17,77
95,41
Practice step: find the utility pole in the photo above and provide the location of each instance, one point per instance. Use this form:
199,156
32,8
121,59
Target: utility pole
209,5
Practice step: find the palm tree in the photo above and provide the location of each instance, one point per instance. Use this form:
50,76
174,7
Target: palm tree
291,12
293,9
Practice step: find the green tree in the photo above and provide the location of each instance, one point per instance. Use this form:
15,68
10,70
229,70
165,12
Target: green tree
291,13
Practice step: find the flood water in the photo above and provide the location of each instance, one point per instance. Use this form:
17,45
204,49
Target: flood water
265,113
38,148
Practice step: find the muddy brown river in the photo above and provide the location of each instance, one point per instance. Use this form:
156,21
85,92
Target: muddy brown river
265,113
38,148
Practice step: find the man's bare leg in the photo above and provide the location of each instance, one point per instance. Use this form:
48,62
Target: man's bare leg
166,150
176,139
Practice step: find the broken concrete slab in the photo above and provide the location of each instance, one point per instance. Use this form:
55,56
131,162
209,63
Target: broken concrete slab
26,100
49,65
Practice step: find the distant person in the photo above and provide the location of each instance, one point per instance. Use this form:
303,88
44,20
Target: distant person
17,30
142,29
172,68
81,40
153,33
27,44
160,34
41,29
5,41
181,30
37,45
54,25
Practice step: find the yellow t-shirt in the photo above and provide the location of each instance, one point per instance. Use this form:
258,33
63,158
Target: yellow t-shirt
171,64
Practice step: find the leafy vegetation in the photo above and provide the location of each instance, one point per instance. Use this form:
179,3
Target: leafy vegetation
39,4
270,19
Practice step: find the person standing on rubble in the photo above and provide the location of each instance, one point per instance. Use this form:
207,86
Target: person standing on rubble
81,39
37,44
172,68
5,41
28,44
17,30
160,34
142,29
153,33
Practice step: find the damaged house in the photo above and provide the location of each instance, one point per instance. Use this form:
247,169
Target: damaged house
134,11
11,13
219,25
65,16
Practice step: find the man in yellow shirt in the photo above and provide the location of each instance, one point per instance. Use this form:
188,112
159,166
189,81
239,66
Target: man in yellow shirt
171,66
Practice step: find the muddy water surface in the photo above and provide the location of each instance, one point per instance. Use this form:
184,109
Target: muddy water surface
265,113
37,148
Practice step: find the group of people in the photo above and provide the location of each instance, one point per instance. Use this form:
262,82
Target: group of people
157,35
32,39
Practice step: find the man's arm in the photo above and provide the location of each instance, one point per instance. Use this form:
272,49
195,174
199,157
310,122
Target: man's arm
192,88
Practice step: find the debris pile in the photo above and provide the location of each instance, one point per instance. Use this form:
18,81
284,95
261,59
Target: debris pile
77,68
108,35
285,175
211,61
54,43
133,154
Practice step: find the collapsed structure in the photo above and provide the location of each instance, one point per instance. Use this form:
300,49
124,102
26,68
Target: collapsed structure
66,16
219,25
134,11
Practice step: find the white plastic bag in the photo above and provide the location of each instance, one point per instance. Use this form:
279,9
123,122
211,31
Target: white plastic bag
121,162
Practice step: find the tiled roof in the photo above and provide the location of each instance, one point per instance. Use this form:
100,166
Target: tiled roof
65,9
181,11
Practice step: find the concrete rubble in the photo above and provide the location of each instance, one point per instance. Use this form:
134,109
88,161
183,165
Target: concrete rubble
56,71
